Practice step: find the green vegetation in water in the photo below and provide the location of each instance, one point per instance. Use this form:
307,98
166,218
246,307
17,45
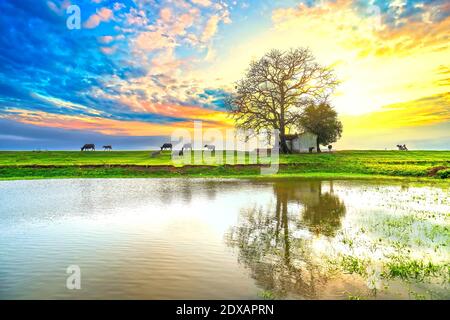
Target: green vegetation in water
352,264
267,295
410,245
406,269
393,244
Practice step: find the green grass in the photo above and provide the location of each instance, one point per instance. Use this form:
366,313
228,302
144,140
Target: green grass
405,268
342,164
443,174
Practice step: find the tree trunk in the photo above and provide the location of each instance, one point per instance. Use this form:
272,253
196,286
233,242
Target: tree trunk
285,224
283,144
318,146
278,215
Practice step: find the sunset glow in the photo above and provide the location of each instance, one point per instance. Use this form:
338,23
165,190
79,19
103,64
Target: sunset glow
144,68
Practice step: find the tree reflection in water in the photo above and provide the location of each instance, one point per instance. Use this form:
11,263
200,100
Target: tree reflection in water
323,214
275,244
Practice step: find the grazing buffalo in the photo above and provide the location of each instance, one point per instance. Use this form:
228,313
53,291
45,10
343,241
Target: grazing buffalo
187,146
107,148
402,147
210,147
88,146
330,147
166,146
311,149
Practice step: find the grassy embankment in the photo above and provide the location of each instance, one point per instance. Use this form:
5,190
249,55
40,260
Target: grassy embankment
429,165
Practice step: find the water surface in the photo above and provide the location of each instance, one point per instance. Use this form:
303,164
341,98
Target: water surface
224,239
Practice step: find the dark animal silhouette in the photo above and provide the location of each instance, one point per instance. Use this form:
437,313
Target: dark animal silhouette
166,146
402,147
311,149
187,146
107,148
181,153
330,147
210,147
88,146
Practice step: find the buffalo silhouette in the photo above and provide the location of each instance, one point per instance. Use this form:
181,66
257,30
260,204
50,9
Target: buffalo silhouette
187,146
210,147
166,146
88,146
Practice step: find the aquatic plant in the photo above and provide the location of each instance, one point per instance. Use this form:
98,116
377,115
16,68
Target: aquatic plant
267,295
404,268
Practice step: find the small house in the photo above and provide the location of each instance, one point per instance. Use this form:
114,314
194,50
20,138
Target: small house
301,142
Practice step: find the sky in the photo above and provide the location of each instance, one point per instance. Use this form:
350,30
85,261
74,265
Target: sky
136,70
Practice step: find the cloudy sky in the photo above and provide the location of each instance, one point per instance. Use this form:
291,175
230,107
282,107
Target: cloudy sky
138,69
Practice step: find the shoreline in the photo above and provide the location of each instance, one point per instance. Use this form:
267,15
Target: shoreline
252,171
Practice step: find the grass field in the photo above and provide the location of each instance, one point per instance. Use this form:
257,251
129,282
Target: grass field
341,164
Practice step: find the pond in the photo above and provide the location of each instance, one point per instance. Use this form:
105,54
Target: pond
224,239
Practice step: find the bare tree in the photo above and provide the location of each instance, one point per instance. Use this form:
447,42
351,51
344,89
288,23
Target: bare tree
275,90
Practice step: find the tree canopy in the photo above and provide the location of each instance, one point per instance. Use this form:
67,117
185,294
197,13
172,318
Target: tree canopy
321,120
277,88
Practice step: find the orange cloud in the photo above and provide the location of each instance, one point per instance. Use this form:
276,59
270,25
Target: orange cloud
177,111
110,126
102,15
152,40
204,3
106,39
422,123
61,9
166,14
211,28
422,112
108,50
368,33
